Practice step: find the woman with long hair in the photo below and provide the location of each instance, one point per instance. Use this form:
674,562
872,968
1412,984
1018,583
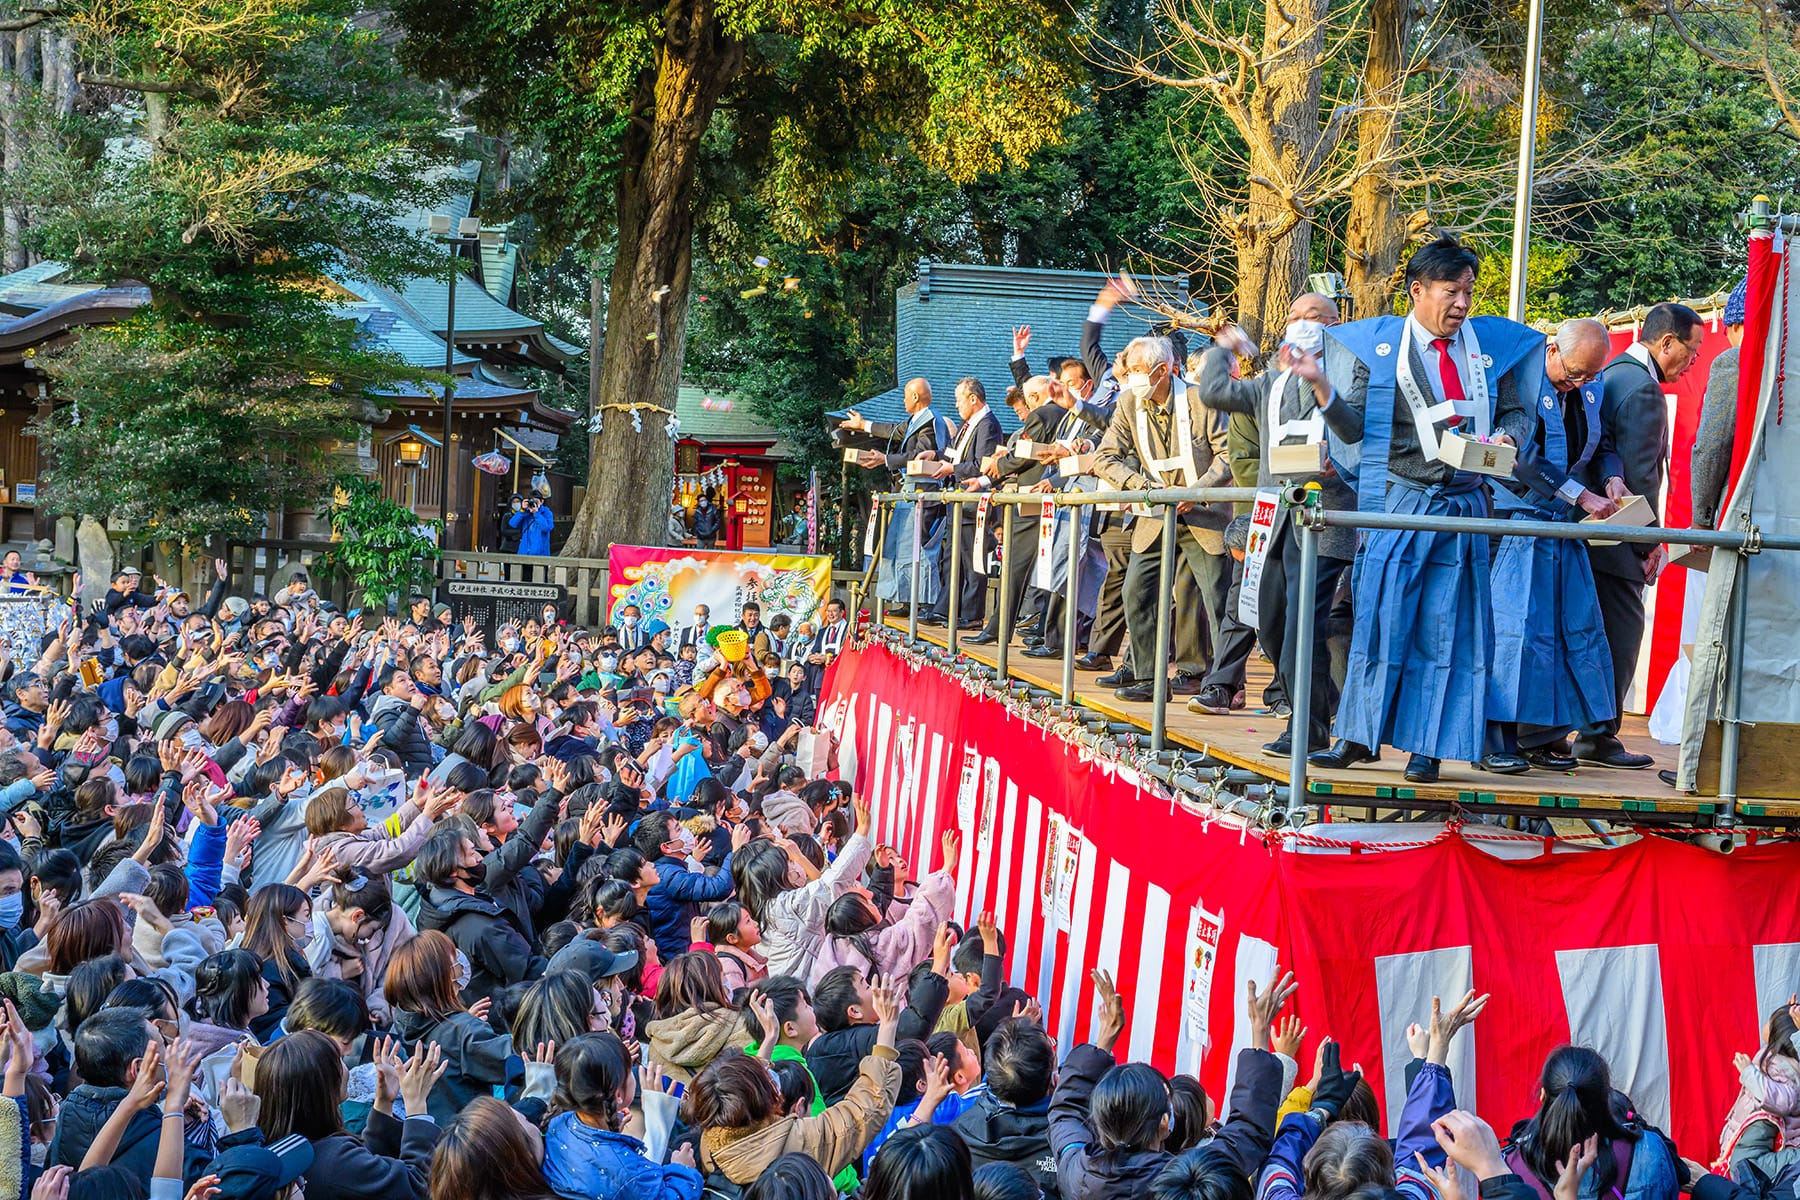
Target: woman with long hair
736,1104
229,993
278,929
586,1151
861,937
1576,1101
300,1082
922,1162
789,899
423,989
694,1020
556,1010
489,1152
366,928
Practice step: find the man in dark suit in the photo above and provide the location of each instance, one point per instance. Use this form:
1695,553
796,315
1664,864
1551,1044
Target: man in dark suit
827,644
922,434
1007,470
1297,420
695,634
959,467
1634,451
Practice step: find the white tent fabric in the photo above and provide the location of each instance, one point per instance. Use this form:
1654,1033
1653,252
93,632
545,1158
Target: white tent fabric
1766,500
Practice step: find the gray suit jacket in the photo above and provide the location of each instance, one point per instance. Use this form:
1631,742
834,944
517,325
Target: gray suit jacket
1711,465
1221,391
1634,445
1119,463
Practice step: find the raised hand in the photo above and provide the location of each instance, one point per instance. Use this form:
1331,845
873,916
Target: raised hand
1444,1026
147,1088
1289,1034
205,1188
1570,1171
238,837
387,1074
1263,1006
53,1184
420,1074
860,807
952,847
240,1106
887,1002
1469,1142
1021,339
1110,1022
763,1009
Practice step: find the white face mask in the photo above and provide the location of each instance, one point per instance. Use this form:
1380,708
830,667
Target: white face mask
1304,335
1137,383
462,971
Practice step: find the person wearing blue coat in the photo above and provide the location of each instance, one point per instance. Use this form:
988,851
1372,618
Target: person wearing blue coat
534,523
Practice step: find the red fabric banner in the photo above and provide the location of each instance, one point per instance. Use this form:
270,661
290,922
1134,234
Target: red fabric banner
1660,954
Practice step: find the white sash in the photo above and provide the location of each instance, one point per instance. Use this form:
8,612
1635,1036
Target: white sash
1426,414
1183,459
980,559
1311,427
833,640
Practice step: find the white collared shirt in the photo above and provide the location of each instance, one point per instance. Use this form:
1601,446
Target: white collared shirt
1428,354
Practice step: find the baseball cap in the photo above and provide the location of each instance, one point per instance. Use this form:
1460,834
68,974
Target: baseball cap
237,606
593,960
129,570
260,1172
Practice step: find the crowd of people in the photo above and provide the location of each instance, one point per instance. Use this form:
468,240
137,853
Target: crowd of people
1514,657
296,901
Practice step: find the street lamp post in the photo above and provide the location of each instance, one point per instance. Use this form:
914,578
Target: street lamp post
468,233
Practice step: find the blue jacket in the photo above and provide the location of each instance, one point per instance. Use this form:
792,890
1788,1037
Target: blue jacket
534,530
581,1161
674,902
1429,1097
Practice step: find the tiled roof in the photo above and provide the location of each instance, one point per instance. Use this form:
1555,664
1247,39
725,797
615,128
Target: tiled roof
719,424
956,320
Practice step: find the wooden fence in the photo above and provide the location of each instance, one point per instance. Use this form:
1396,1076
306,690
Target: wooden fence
264,567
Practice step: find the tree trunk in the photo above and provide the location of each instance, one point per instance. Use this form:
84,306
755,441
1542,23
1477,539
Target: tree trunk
20,75
631,473
1374,233
1273,234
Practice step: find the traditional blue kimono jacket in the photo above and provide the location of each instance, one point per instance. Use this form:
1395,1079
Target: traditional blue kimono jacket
1552,667
913,526
1422,639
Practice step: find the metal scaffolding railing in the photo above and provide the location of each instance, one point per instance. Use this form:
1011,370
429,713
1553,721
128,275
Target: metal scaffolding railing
1309,518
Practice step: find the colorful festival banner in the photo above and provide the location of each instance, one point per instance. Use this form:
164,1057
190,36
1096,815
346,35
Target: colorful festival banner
1660,954
666,582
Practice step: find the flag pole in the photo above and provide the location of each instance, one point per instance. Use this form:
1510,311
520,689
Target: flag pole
1528,104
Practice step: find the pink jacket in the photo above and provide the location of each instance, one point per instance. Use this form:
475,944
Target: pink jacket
374,850
1769,1087
902,945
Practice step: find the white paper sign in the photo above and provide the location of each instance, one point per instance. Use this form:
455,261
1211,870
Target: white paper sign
1062,861
1263,515
1044,574
968,789
1202,957
990,801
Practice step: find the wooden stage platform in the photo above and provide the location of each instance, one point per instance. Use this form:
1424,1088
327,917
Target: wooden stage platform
1632,796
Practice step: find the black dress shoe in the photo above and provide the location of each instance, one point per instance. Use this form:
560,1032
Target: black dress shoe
1030,622
1611,754
1094,662
1343,754
1502,763
1043,652
1185,685
932,619
1669,777
1139,693
984,638
1545,758
1215,700
1420,769
1283,746
1119,678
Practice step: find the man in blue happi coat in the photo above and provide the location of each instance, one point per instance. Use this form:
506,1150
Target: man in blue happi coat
1552,670
1390,389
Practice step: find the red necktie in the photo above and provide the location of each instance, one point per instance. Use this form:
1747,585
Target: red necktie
1453,388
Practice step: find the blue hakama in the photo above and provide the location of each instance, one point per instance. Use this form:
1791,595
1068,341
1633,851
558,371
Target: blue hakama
1552,666
893,582
1420,647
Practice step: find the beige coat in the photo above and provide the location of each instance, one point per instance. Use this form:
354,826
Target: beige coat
835,1138
1120,462
686,1042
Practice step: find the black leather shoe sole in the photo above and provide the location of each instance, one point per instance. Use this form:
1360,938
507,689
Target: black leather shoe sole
1620,760
1042,652
981,639
1502,764
1342,756
1551,762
